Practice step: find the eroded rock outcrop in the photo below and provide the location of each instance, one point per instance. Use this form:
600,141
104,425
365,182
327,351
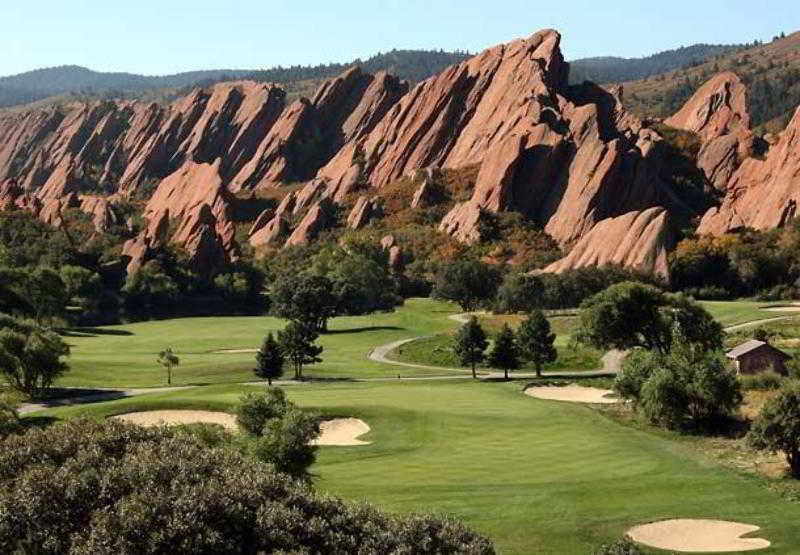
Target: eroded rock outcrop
318,218
637,240
762,194
364,211
717,113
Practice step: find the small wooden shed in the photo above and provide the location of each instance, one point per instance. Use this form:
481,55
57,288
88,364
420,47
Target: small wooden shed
754,357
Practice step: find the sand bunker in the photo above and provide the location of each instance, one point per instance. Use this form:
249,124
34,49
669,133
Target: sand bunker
342,431
706,536
793,308
174,417
572,394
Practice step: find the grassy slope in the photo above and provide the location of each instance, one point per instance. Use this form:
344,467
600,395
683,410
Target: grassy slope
125,356
536,476
730,313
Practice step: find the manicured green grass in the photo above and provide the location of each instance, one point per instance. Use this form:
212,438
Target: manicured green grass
536,476
730,313
438,351
125,356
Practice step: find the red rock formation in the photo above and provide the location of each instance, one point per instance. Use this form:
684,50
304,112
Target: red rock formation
762,194
365,210
717,112
101,210
719,107
196,201
637,240
568,157
317,219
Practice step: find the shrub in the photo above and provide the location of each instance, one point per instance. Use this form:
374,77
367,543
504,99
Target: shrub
9,420
85,487
764,381
255,410
286,442
777,428
625,546
677,390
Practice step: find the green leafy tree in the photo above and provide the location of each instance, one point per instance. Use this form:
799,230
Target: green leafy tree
30,356
470,344
519,293
505,353
47,293
150,291
297,342
269,360
255,410
287,442
168,360
470,283
535,341
777,427
629,314
308,299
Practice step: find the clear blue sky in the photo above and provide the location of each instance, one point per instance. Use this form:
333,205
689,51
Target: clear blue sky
168,36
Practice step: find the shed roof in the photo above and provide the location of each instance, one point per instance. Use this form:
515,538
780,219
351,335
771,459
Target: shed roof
749,346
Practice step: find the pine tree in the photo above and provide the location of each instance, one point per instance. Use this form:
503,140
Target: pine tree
269,360
536,341
505,354
471,344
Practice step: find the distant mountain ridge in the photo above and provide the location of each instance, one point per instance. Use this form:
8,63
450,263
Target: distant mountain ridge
411,65
611,69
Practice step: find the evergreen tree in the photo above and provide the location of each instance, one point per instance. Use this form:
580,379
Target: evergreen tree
269,360
536,341
297,344
471,344
505,353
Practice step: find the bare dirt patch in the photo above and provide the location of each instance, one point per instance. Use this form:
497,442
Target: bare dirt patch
706,536
342,431
572,394
176,417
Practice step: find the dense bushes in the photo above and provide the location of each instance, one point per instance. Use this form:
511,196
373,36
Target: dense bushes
524,293
87,487
679,390
470,283
763,263
777,428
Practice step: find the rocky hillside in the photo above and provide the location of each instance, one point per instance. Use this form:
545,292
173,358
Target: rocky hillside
237,165
771,72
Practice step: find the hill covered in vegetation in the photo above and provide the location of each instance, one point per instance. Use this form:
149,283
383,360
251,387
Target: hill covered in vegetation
410,65
771,72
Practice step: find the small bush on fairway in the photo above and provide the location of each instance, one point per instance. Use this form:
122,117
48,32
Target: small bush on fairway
286,442
86,487
625,546
255,410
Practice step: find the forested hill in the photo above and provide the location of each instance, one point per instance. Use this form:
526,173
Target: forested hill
412,65
770,70
612,69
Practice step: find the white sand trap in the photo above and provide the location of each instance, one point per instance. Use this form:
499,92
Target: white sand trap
572,393
698,536
234,351
174,417
342,431
793,308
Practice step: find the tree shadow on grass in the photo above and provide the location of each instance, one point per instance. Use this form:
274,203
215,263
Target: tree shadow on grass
363,329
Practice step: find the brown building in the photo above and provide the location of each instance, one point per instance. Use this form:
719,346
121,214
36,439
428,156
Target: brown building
753,357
